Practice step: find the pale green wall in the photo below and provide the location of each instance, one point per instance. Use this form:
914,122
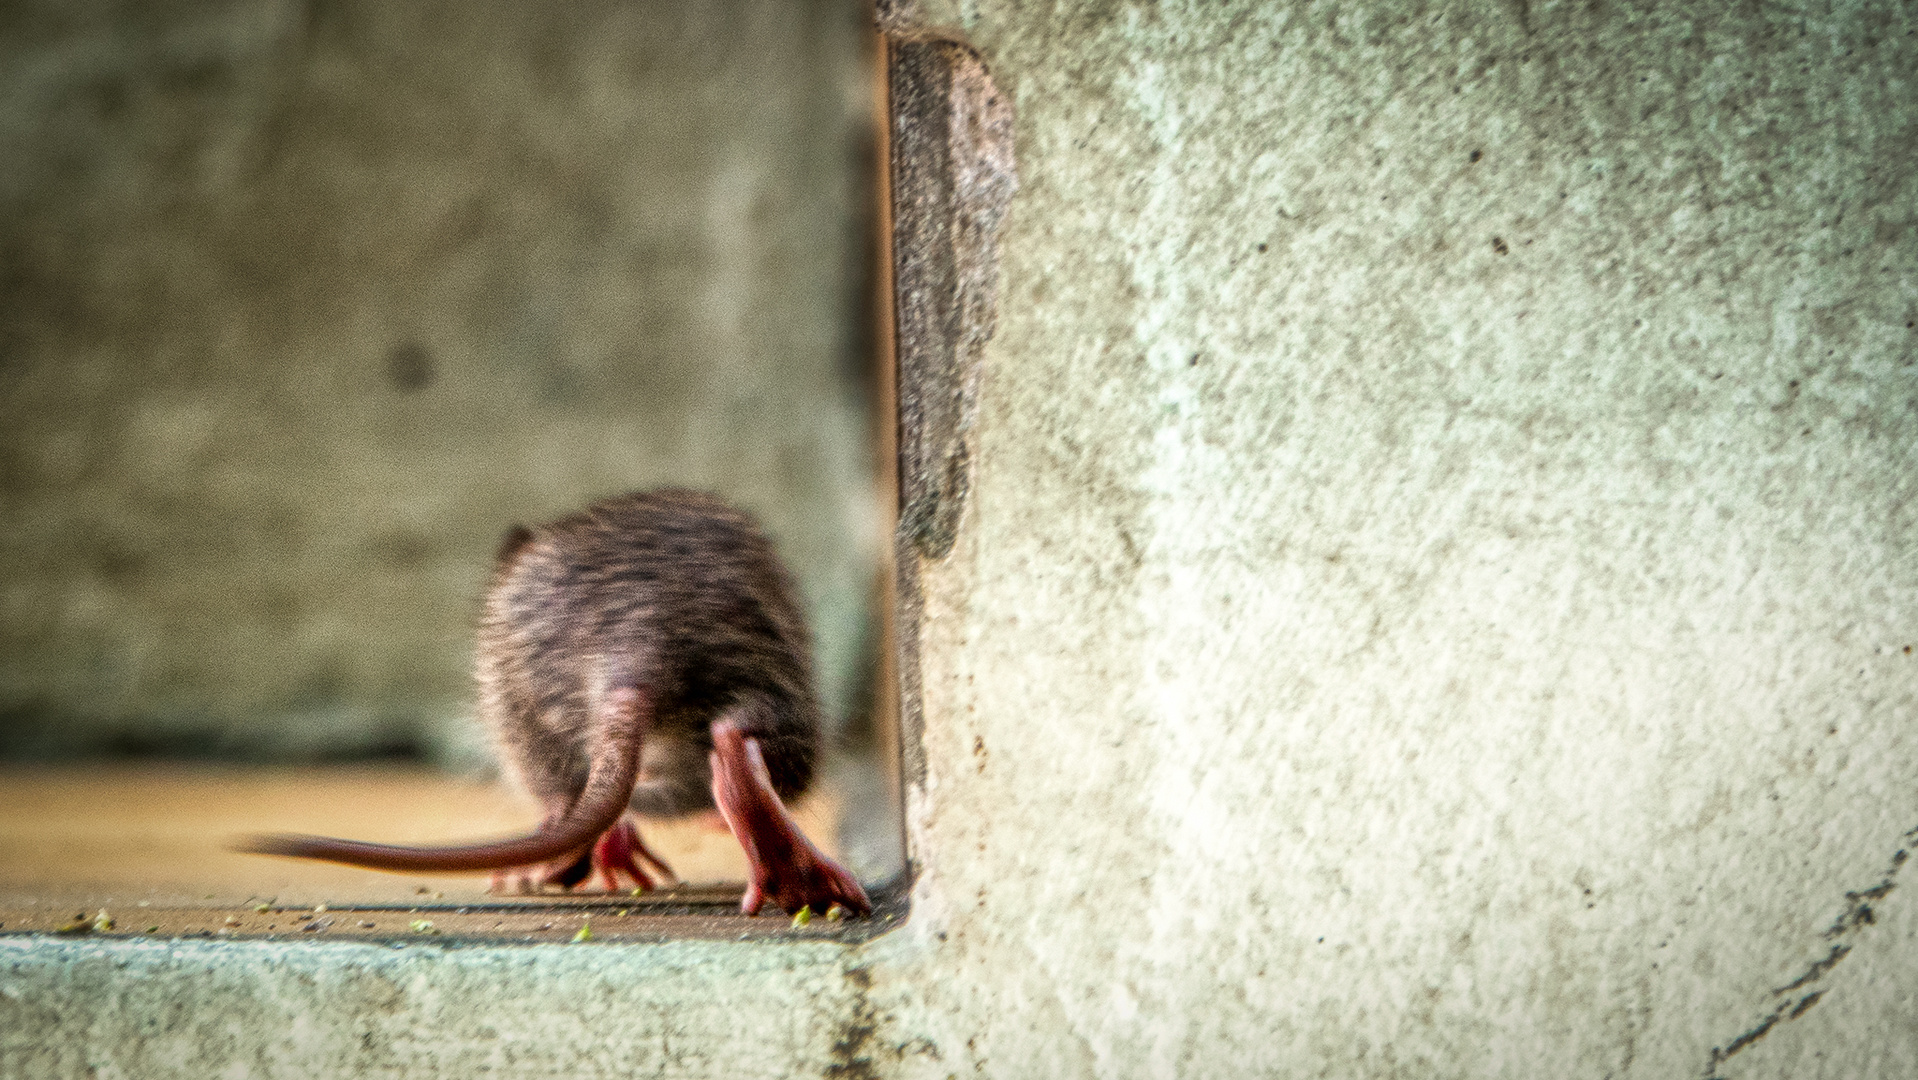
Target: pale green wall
1473,665
1434,617
302,305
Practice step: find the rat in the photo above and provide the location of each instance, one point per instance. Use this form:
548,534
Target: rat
646,656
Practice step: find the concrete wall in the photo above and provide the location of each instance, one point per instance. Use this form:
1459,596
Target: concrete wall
1435,591
303,304
1443,573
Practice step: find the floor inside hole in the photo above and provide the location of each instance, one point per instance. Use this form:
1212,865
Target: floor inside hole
147,844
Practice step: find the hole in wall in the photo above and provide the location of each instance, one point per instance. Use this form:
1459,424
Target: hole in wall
298,326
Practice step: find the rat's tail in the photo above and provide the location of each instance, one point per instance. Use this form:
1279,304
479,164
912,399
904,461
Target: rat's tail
614,766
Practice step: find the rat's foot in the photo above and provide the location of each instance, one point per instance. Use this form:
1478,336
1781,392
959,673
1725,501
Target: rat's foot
807,879
786,867
620,851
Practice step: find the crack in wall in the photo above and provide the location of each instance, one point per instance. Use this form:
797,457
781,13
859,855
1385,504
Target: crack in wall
1857,915
853,1041
861,1048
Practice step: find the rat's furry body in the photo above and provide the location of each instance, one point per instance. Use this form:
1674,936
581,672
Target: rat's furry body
671,590
646,653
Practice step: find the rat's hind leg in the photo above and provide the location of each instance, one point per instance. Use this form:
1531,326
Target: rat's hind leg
600,795
554,781
786,867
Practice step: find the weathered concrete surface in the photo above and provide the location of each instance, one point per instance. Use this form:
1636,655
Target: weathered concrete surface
1371,650
357,1010
1441,555
303,304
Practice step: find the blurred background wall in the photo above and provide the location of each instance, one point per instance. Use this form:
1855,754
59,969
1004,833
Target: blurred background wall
303,304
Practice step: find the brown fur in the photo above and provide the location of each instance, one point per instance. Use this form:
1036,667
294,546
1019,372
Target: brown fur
642,618
669,590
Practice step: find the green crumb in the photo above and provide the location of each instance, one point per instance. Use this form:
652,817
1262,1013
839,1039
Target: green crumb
835,913
424,926
153,929
802,916
638,891
103,922
585,933
261,909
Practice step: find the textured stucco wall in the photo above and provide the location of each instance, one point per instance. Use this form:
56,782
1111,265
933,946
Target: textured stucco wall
1376,651
303,304
1443,555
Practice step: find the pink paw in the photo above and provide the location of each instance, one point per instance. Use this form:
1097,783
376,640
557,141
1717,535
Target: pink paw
810,879
619,850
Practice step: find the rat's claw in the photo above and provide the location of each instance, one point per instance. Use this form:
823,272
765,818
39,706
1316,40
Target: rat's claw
836,886
809,880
